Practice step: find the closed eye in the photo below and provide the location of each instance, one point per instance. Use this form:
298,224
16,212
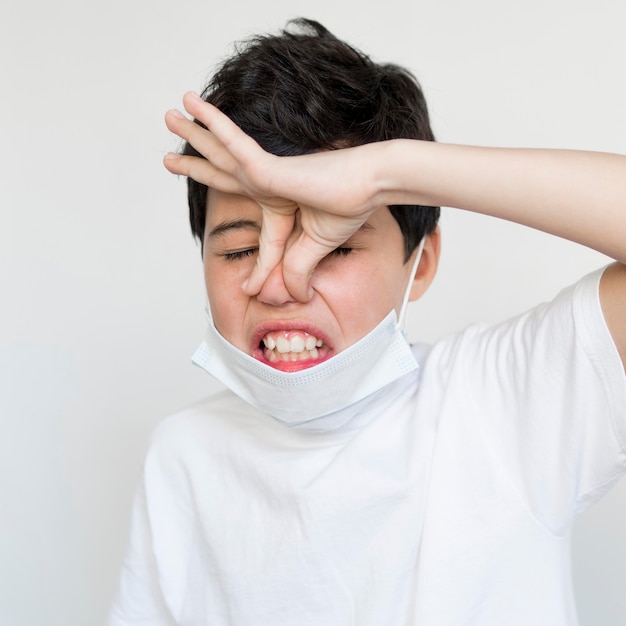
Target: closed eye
240,254
342,251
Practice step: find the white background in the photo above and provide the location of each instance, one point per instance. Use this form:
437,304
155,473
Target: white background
100,283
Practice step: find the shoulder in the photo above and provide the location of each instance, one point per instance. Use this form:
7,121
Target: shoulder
548,346
202,425
574,314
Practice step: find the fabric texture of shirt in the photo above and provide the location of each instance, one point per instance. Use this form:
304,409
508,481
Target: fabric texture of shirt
448,501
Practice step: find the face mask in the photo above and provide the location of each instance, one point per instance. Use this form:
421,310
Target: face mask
295,398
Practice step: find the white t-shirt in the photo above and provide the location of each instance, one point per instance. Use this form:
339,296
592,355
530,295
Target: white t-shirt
448,502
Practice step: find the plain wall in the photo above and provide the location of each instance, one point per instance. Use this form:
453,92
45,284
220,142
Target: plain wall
100,282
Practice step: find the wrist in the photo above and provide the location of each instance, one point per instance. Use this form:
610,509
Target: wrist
379,158
398,172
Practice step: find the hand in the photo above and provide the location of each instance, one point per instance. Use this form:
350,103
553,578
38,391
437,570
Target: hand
311,204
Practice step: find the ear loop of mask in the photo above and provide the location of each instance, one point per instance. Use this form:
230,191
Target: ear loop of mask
405,301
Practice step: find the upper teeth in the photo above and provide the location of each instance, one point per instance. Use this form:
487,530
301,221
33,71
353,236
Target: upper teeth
290,341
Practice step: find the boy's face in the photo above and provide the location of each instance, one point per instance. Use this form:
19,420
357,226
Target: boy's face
354,288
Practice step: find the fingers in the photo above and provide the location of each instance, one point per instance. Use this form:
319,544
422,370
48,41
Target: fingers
239,145
205,142
202,171
299,263
275,233
228,150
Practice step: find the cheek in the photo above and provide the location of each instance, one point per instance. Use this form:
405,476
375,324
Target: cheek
223,279
227,301
360,293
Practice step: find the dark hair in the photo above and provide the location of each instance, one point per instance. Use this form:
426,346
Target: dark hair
303,91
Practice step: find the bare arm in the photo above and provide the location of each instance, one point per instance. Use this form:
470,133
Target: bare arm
580,196
576,195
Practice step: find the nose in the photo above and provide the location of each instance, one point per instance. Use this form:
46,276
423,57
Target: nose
274,291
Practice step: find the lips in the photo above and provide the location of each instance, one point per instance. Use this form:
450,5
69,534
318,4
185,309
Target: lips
291,349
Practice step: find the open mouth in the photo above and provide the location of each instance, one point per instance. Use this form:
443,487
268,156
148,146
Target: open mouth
292,350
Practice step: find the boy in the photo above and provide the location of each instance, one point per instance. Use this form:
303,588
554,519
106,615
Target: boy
351,479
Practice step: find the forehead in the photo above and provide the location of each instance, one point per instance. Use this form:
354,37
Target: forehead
225,206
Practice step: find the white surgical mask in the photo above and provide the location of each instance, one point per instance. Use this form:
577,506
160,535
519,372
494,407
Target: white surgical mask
295,398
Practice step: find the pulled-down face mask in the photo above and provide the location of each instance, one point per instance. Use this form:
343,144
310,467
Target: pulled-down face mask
379,358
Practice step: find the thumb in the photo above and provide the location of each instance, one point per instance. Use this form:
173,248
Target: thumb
299,263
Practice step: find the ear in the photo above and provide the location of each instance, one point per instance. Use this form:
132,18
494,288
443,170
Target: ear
428,264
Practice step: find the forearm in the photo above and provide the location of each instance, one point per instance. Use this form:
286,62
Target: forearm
580,196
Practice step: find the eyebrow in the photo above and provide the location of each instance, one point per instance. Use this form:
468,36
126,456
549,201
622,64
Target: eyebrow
225,227
363,228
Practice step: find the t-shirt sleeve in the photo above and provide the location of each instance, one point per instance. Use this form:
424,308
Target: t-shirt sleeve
139,599
155,557
549,393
